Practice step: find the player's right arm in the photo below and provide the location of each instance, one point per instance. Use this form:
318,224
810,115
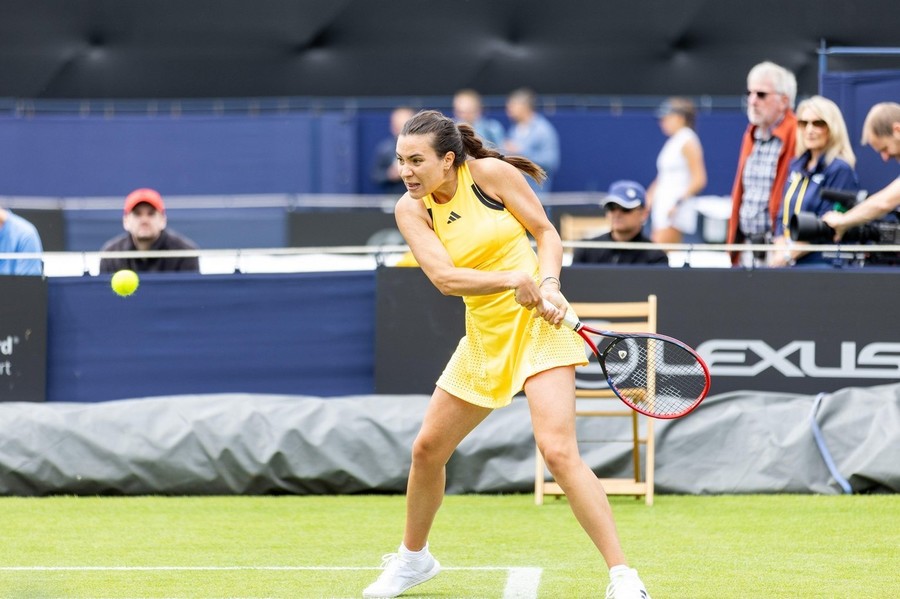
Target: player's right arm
415,225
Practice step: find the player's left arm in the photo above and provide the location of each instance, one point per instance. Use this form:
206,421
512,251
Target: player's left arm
507,184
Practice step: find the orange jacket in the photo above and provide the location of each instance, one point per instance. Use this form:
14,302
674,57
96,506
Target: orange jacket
786,131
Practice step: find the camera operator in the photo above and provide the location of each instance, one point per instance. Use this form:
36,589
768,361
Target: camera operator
810,228
881,130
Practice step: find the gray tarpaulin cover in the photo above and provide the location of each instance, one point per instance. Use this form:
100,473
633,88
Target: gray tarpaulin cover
741,442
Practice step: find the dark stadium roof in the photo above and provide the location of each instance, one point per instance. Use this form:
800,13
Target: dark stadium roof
241,48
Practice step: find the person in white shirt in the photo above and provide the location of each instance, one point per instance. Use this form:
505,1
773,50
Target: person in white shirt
681,173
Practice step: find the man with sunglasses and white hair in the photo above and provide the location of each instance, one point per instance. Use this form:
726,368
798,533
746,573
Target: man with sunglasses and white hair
766,152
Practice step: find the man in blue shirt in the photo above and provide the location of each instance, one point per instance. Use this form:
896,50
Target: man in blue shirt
17,235
532,136
467,108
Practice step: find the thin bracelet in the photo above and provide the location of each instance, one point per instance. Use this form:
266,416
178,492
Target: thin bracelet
558,284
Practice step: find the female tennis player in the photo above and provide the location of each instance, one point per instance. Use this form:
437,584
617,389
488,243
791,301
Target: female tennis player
466,216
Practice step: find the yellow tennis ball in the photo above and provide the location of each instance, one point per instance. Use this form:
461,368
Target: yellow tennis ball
125,282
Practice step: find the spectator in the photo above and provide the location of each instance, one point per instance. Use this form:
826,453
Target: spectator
766,151
144,222
385,173
17,235
681,173
881,131
467,109
532,136
626,206
824,160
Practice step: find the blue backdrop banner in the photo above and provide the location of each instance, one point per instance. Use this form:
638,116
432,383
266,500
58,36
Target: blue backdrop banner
188,154
88,230
180,333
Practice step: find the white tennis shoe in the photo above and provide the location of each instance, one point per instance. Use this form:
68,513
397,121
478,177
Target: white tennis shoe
626,585
401,574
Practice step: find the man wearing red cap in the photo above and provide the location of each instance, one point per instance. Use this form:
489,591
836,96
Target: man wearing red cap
144,222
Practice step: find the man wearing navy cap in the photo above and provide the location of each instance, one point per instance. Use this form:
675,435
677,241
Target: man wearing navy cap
625,203
144,221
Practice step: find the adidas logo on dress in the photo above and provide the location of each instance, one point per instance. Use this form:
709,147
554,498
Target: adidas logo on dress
453,216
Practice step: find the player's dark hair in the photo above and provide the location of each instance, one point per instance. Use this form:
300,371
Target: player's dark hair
462,140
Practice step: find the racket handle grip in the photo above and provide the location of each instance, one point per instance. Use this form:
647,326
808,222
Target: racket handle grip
570,320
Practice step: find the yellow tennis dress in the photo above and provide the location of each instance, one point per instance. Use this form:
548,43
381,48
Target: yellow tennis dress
504,344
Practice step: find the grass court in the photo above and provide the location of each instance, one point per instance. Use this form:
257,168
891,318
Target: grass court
685,547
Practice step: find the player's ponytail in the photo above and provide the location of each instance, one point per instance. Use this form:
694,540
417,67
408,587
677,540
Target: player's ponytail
476,149
462,140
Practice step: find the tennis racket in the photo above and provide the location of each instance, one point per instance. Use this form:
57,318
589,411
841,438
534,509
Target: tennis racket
655,375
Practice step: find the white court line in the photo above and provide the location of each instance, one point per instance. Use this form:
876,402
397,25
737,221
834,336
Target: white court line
225,568
169,568
521,583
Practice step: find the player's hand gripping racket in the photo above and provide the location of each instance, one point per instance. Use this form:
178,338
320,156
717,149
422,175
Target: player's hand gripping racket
656,375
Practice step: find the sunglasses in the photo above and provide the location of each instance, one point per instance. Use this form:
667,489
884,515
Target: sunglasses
758,94
612,207
818,124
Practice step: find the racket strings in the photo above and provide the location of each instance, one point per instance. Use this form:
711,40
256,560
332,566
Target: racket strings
655,376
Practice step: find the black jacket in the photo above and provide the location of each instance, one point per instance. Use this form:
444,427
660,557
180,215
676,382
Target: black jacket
619,255
168,240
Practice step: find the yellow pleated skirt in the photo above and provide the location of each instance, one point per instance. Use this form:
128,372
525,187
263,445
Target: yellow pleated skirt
491,364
